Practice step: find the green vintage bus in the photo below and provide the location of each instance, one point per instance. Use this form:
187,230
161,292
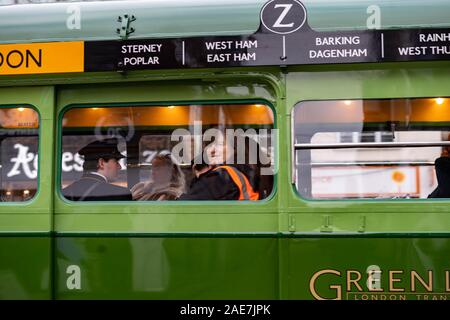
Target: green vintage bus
346,151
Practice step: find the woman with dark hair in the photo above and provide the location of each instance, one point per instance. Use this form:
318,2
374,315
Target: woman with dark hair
166,183
218,179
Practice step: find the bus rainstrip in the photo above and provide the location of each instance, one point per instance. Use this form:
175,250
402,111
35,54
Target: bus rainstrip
245,149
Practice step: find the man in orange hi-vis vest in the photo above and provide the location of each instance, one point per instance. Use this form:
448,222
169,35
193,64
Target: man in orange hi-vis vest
218,180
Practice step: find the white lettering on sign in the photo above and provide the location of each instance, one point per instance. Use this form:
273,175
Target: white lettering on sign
133,61
143,60
226,57
141,48
219,45
434,37
230,45
336,53
27,162
71,162
283,16
244,56
278,23
24,160
246,44
412,51
220,57
337,41
440,49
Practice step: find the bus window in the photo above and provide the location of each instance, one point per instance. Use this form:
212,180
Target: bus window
359,149
166,152
19,153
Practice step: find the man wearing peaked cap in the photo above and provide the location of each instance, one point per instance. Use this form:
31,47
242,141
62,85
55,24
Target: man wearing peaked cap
100,166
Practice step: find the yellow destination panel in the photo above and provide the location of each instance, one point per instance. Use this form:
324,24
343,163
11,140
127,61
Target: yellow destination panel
54,57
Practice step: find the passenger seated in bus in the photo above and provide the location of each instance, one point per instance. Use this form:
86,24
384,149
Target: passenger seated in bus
442,167
218,180
166,182
199,167
101,166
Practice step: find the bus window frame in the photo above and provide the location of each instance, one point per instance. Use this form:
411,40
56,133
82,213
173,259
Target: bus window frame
68,107
38,178
346,200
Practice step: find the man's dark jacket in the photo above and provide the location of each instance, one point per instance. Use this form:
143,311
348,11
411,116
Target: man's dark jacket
92,187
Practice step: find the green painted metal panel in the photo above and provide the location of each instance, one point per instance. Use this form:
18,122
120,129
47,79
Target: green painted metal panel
25,268
177,18
262,268
167,268
25,245
174,216
153,219
346,82
318,268
33,215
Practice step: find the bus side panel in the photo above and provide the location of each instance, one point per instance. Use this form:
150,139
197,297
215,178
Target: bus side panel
345,268
26,224
166,268
25,267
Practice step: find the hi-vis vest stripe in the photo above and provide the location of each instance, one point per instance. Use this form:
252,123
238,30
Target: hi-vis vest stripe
246,191
35,58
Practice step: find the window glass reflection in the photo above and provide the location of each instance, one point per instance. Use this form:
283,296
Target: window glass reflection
167,153
19,138
372,148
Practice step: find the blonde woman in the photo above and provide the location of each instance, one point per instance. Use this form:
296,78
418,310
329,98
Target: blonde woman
167,180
